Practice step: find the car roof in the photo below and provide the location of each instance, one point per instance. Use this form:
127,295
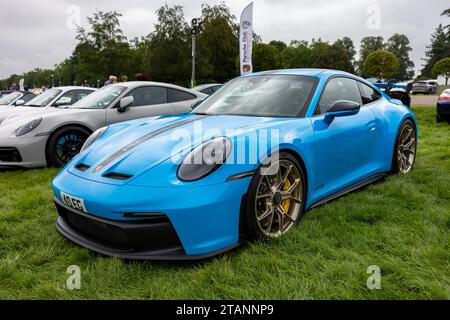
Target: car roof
134,84
318,73
137,84
66,88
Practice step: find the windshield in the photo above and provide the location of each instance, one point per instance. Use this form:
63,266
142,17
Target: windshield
270,96
43,99
9,98
101,98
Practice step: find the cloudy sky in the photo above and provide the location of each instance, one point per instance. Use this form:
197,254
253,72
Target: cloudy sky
39,33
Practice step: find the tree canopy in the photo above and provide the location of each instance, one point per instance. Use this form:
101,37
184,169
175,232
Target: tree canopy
381,64
442,68
438,49
164,55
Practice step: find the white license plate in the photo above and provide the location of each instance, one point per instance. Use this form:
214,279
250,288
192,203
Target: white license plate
73,202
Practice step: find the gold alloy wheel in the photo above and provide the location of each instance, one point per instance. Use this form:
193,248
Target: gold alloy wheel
406,149
279,200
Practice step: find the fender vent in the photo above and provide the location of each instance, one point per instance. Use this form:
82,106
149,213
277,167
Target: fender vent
82,167
117,176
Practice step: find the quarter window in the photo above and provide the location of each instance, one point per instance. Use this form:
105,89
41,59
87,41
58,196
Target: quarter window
368,94
175,95
147,96
338,89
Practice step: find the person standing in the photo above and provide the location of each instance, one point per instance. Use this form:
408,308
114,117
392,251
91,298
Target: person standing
112,79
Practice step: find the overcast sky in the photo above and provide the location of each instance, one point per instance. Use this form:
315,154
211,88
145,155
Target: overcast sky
38,33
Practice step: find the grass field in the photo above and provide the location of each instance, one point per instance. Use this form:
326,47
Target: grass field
401,224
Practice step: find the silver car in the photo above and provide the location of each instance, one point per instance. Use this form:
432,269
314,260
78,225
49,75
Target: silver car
16,98
425,87
47,101
53,137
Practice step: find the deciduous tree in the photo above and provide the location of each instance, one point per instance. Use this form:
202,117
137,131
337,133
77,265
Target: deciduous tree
381,64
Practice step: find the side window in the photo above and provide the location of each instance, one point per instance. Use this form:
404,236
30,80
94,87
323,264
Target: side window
207,91
70,97
65,99
80,94
368,94
147,96
338,89
216,88
175,95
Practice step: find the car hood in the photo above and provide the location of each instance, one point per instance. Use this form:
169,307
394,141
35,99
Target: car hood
12,119
133,148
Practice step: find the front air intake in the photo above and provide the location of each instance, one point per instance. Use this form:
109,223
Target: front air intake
117,176
82,167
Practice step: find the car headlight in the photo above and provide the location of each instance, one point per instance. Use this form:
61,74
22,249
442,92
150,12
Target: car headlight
204,159
93,137
30,126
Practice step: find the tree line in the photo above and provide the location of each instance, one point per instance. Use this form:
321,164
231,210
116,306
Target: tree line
164,55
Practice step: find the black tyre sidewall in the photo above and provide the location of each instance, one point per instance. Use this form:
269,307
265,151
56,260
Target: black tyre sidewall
52,159
395,165
252,230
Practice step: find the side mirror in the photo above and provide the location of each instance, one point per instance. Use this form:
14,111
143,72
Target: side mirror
195,104
64,101
19,103
341,108
125,103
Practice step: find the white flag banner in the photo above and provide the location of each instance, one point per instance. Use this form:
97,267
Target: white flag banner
22,85
246,40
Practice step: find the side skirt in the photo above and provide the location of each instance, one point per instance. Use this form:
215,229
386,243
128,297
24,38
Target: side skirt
349,189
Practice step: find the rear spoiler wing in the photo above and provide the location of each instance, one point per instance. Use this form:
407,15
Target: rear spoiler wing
392,84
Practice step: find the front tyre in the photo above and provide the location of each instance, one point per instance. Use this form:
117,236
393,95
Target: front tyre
64,144
276,198
405,148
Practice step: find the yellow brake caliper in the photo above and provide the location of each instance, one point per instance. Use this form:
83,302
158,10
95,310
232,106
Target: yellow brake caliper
286,203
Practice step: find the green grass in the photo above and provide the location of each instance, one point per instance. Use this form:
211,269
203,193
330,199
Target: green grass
401,224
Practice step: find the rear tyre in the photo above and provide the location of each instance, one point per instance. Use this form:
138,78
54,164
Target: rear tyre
276,199
64,144
405,148
439,119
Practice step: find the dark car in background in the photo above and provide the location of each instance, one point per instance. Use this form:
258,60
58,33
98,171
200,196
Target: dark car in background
443,107
208,89
425,87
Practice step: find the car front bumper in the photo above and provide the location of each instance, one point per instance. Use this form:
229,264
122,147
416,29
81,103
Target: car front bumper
23,152
184,222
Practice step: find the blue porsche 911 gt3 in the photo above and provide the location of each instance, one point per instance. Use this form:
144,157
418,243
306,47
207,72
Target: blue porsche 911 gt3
244,164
